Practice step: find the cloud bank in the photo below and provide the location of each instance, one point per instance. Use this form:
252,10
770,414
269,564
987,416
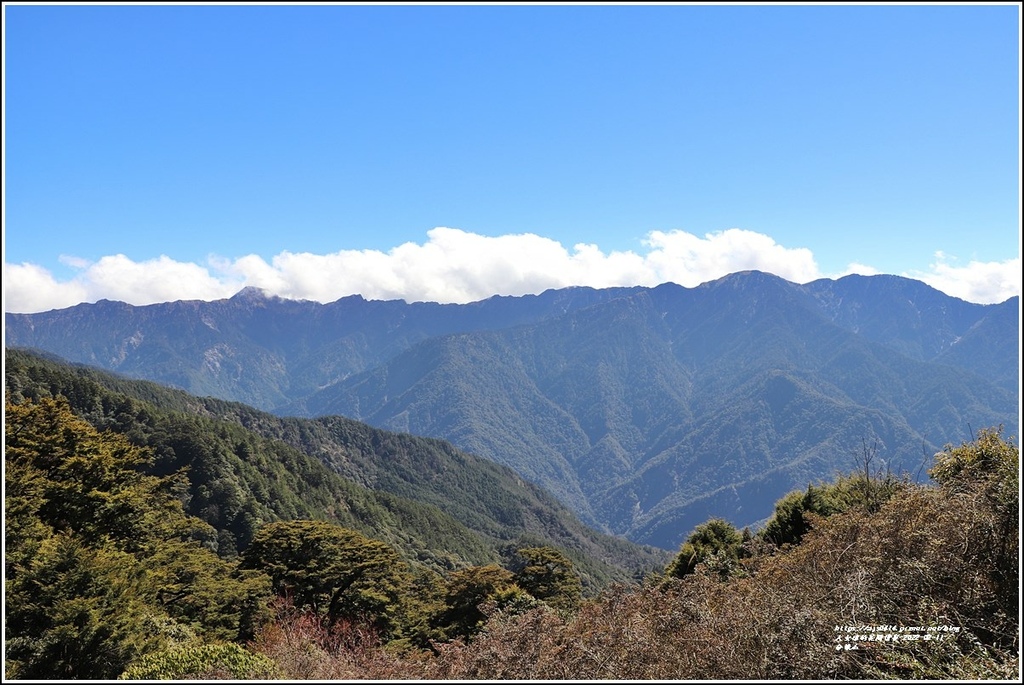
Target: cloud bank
458,266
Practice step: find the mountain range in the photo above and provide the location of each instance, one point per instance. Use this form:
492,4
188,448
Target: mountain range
645,410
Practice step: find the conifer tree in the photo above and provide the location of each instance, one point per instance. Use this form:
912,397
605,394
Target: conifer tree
548,575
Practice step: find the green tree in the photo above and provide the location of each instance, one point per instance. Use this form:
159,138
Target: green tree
795,512
548,575
716,538
333,570
24,531
468,592
425,601
212,595
989,465
103,565
77,604
75,612
86,482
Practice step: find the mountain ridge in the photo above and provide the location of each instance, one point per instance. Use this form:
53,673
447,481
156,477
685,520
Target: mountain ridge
621,401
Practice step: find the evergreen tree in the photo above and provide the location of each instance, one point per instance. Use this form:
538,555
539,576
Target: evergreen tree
469,591
103,565
548,575
716,538
333,570
795,512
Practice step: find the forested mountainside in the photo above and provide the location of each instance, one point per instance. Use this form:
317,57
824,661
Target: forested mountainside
644,409
245,468
648,416
871,576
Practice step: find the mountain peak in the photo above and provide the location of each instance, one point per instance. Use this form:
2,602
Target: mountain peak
755,276
252,293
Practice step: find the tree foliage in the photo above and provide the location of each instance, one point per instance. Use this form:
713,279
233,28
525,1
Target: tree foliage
74,611
548,575
468,591
986,472
794,513
716,539
208,661
333,570
82,482
244,468
921,569
101,558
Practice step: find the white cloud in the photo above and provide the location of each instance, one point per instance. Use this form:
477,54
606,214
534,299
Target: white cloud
457,266
31,288
155,280
856,268
72,261
986,282
689,260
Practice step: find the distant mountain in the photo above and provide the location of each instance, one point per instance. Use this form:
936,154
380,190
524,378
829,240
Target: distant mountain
645,409
263,350
923,324
246,467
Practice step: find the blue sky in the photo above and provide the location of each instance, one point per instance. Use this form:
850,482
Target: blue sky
453,152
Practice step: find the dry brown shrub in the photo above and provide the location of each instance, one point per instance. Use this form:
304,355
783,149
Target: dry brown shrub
926,558
512,647
921,561
306,647
690,629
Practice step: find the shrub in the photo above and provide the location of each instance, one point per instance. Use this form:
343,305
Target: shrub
206,662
